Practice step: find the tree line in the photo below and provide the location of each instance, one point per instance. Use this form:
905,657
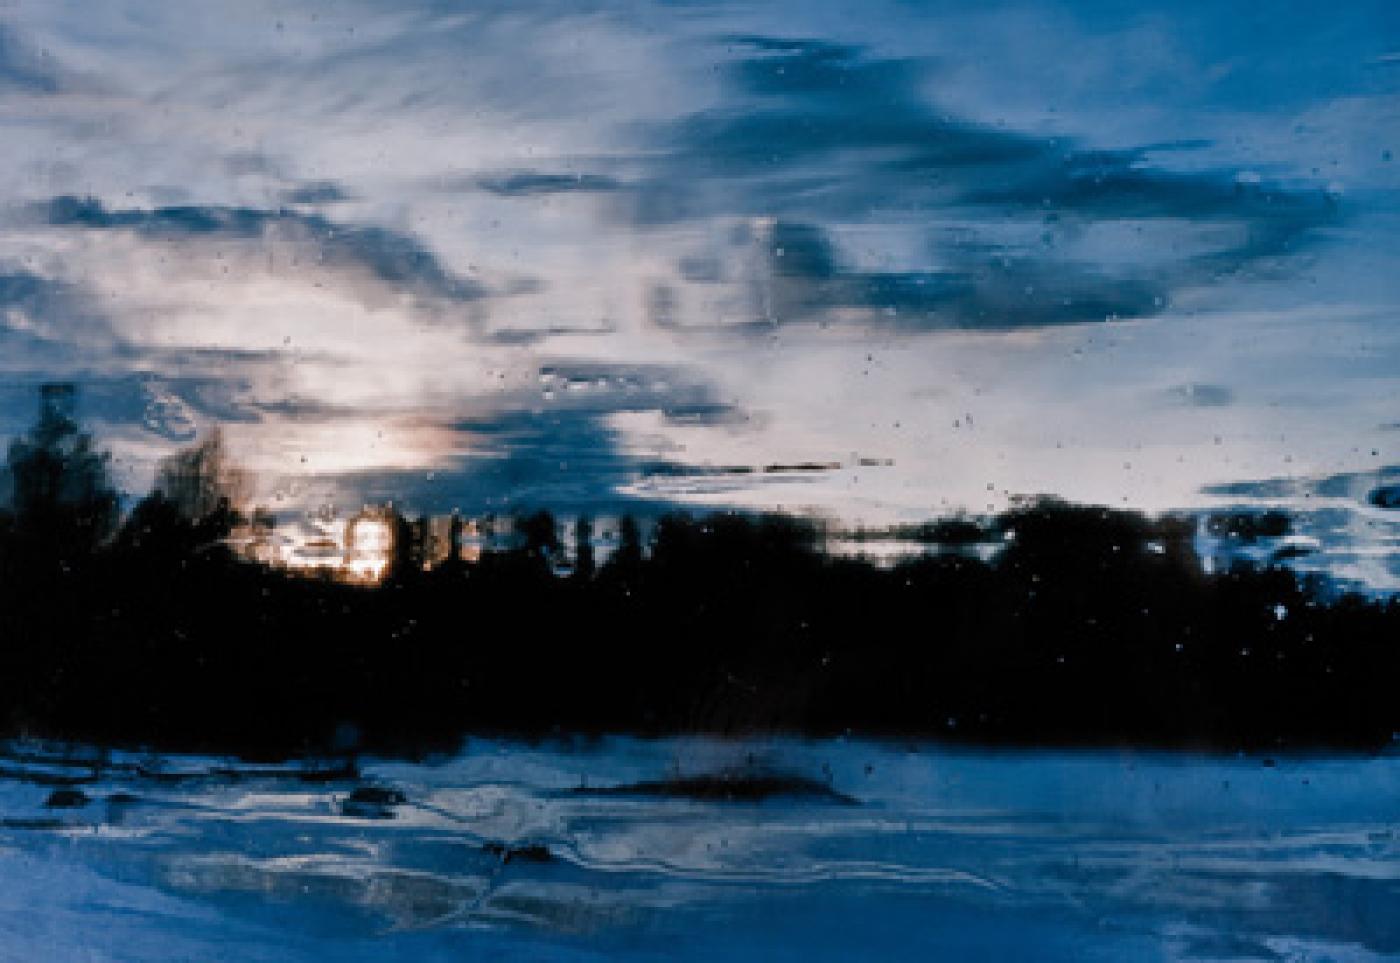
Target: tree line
1088,626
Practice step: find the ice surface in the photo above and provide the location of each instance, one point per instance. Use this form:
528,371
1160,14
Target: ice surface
508,851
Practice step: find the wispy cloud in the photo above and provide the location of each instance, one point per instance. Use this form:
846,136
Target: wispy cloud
1043,246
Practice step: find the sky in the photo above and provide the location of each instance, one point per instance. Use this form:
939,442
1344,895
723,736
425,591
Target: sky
877,260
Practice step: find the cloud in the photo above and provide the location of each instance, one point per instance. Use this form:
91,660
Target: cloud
804,101
283,217
565,463
50,327
1351,486
1201,395
794,273
24,71
1101,185
36,296
556,445
807,280
820,140
316,193
391,257
536,183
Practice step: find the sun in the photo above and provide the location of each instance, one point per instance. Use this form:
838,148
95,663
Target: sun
369,544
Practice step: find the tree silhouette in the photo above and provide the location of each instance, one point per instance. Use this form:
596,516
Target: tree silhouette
194,505
540,537
63,500
455,529
584,565
629,546
406,552
1083,624
202,484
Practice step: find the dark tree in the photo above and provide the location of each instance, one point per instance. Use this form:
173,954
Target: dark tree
629,546
454,541
202,484
63,500
540,536
407,552
1081,625
195,504
584,565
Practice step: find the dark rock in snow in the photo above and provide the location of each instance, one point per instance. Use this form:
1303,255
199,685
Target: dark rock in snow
1386,496
377,796
372,802
67,799
520,852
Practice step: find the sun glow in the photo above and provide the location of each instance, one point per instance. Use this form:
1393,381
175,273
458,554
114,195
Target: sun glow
369,543
358,550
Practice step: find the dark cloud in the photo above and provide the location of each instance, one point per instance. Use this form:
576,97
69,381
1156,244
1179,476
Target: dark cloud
608,388
226,359
249,162
706,414
802,278
555,446
568,456
813,130
1346,486
51,325
52,329
316,192
564,460
298,408
534,183
701,269
171,407
989,294
523,337
22,69
391,257
817,134
672,470
1100,185
1199,395
36,295
802,101
1268,489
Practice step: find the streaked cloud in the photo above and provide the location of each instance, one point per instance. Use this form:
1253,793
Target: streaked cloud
534,183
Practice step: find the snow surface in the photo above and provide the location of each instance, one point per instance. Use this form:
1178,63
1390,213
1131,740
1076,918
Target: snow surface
945,854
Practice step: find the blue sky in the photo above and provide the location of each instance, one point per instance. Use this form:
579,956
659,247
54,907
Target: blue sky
470,255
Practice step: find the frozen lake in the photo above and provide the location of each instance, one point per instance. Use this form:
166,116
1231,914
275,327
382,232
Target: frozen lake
878,851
